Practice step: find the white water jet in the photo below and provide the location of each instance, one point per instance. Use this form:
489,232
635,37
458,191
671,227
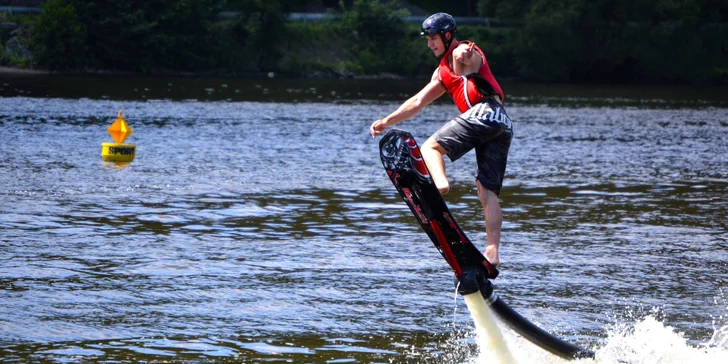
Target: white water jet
490,339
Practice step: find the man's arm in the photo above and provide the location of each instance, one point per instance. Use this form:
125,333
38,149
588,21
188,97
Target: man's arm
411,107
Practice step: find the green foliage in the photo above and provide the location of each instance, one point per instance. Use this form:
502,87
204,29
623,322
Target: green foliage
548,40
19,62
503,9
495,44
135,35
618,41
180,36
377,38
146,35
58,38
452,7
313,47
258,33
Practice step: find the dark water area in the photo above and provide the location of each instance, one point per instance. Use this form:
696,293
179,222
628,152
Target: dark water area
275,89
256,224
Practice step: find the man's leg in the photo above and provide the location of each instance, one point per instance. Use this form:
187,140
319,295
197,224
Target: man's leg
432,153
493,222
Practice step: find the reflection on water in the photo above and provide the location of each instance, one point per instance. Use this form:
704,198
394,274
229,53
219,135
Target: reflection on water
269,231
140,88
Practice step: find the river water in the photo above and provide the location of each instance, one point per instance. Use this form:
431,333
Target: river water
256,224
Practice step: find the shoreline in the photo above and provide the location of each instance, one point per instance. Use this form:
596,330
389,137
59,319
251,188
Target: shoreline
12,71
6,70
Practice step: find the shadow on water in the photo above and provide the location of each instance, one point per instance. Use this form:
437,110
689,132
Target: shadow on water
297,349
272,89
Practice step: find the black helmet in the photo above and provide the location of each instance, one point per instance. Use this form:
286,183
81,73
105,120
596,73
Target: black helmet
439,23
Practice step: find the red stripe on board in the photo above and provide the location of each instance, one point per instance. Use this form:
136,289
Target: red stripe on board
449,256
454,226
417,157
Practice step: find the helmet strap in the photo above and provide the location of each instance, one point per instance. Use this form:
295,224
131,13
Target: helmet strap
445,41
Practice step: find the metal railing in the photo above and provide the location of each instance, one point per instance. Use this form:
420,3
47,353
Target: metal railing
301,17
20,10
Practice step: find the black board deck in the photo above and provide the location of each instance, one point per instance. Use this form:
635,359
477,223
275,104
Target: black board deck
408,172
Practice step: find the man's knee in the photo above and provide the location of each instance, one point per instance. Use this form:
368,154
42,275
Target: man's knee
432,144
484,194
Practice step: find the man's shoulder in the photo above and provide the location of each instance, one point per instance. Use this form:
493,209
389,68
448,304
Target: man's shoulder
435,75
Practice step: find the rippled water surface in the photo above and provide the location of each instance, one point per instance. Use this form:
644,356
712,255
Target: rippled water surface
268,231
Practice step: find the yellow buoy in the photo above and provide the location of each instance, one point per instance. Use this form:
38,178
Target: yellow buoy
118,152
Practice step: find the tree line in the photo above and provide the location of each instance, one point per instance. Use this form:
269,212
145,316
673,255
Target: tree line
626,41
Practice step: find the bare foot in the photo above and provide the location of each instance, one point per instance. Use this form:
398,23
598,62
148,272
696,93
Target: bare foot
491,253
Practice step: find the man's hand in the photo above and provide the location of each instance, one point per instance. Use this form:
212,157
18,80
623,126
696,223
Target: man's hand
465,56
377,127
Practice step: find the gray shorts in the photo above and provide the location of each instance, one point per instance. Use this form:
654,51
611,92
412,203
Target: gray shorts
487,128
